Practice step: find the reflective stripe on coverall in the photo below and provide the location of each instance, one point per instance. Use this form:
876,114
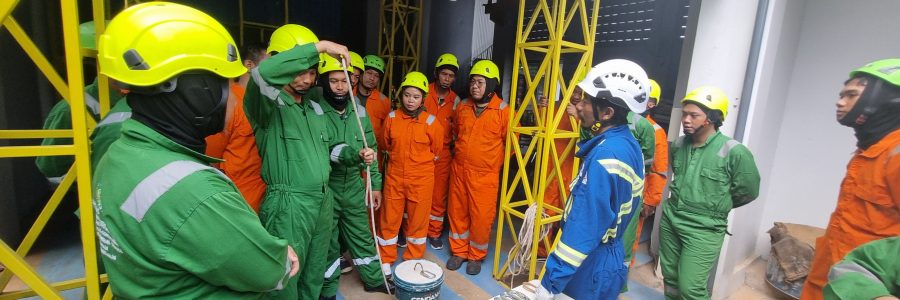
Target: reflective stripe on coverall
172,227
869,272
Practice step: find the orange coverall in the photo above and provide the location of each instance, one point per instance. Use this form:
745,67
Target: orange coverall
413,145
553,195
868,209
378,106
444,112
237,146
476,167
655,180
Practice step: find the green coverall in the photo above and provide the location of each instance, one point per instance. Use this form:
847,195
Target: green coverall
709,181
60,117
645,134
296,150
172,227
350,211
869,271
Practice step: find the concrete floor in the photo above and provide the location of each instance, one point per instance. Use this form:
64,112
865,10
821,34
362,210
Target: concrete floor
59,258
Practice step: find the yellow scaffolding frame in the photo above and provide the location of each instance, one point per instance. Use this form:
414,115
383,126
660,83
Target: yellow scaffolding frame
262,27
72,90
403,18
549,159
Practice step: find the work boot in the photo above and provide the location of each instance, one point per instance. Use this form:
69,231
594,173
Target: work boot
436,243
454,263
346,265
389,289
473,267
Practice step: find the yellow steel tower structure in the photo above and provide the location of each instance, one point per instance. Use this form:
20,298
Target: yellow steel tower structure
539,54
72,89
399,40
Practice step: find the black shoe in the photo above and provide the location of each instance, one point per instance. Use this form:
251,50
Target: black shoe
436,243
401,242
346,265
454,263
389,289
473,267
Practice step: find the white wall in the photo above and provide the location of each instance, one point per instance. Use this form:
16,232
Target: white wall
812,148
764,121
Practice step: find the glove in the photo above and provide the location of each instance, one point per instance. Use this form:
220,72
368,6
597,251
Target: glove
540,293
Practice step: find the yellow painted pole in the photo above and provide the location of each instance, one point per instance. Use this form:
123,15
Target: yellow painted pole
35,133
26,273
82,146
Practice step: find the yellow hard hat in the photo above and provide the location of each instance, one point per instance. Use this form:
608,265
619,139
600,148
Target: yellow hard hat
447,59
286,37
328,63
152,42
417,80
655,90
709,97
357,61
485,68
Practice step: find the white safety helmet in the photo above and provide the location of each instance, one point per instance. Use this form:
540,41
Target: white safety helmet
622,81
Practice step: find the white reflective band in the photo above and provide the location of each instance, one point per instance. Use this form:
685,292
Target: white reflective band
430,119
392,114
56,180
656,126
415,241
92,103
503,105
617,167
436,218
730,144
333,268
388,242
386,269
158,183
114,118
464,235
336,153
478,246
265,89
285,277
846,268
364,261
569,255
317,108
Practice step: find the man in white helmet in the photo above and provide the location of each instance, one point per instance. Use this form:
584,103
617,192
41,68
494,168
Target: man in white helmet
607,187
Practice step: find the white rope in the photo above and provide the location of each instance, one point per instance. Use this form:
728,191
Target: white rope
369,203
526,232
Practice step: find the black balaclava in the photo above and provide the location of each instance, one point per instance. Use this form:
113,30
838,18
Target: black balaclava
338,102
875,114
188,114
490,86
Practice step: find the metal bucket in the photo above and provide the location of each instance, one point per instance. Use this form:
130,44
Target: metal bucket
418,280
